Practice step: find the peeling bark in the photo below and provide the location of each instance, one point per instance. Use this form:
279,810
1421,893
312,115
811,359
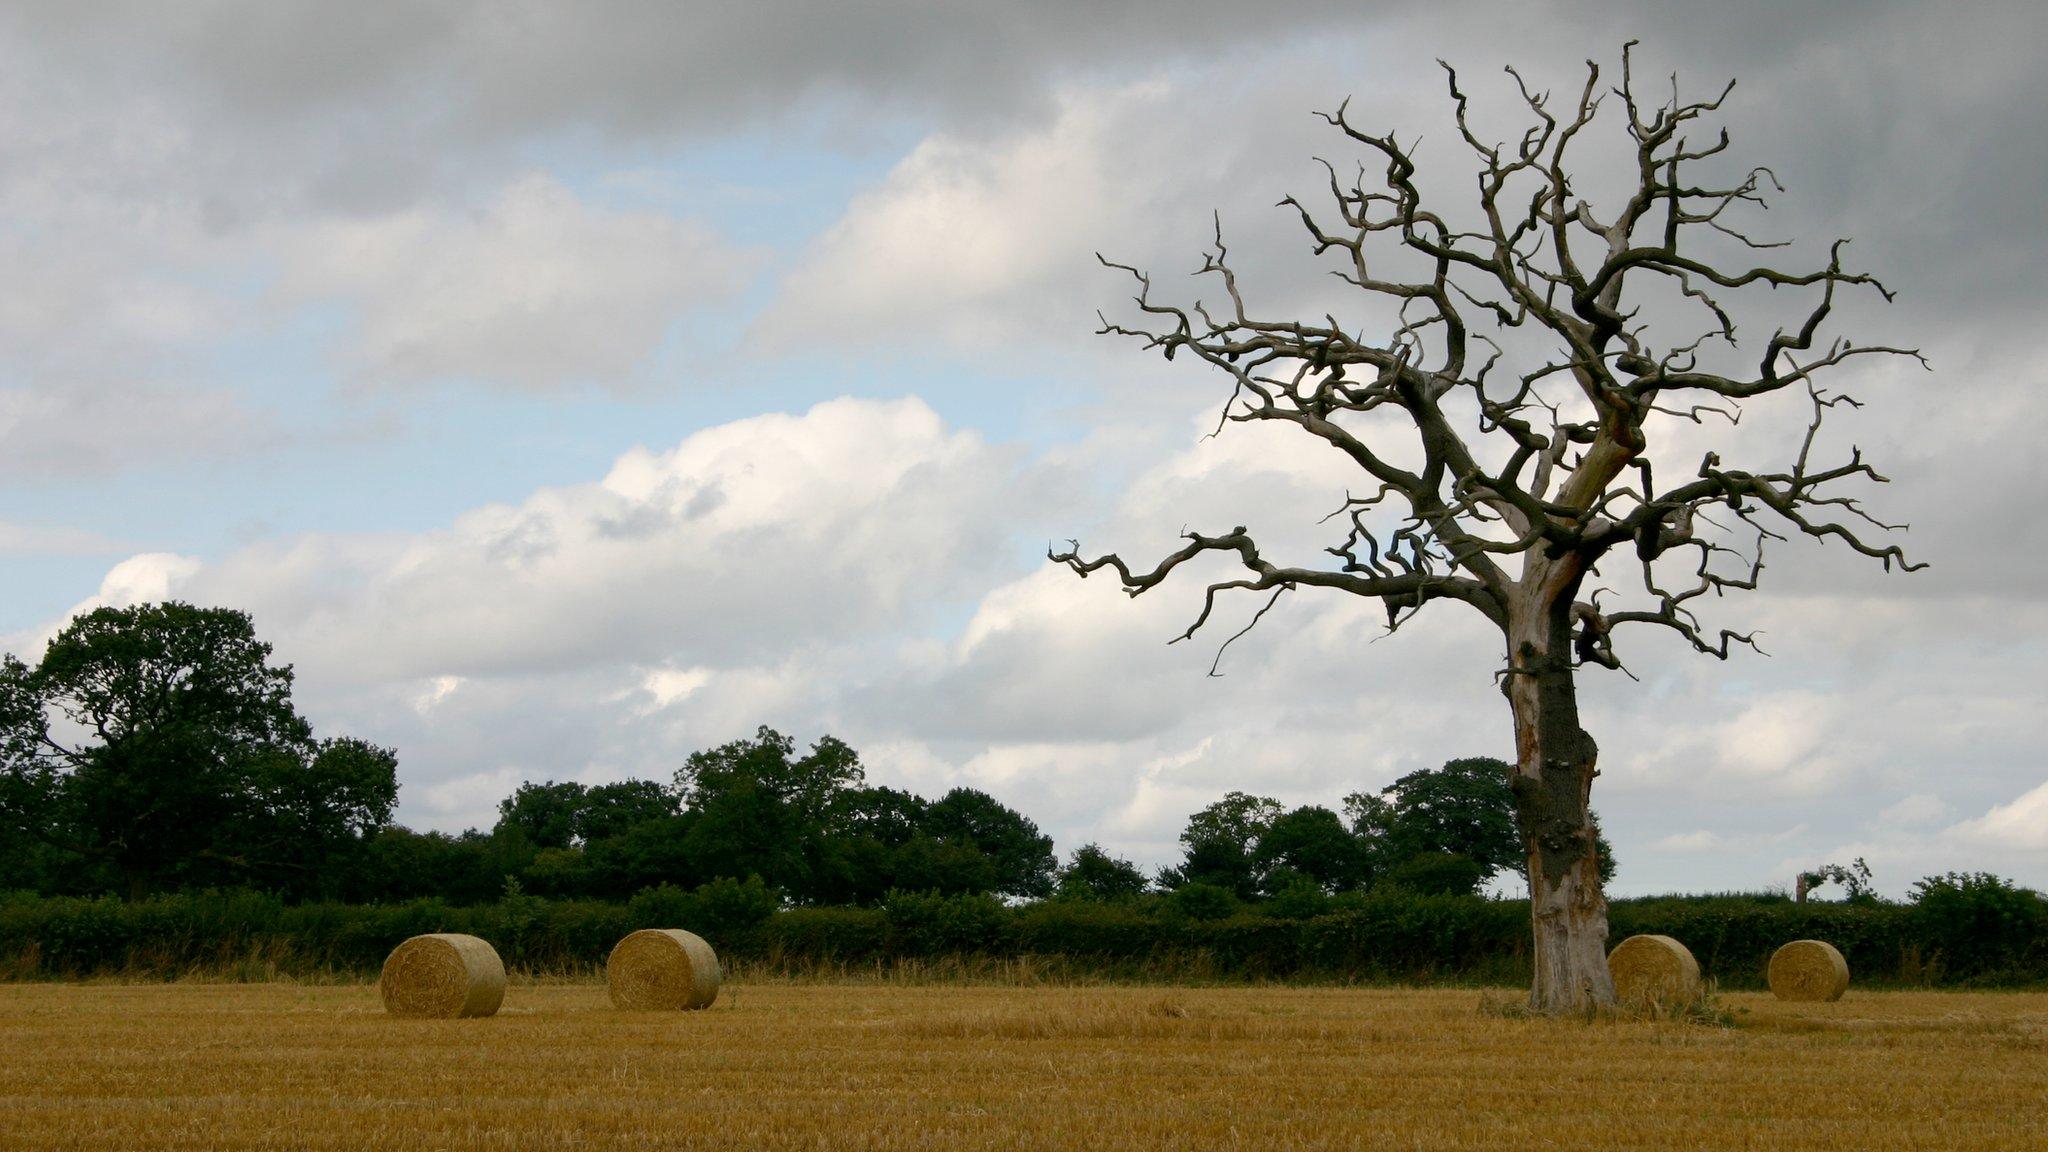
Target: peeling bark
1555,762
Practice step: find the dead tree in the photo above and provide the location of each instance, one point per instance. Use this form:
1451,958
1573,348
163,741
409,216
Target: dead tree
1539,344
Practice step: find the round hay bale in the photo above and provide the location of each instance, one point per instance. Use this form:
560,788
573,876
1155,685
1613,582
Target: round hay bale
1808,970
662,969
1654,971
443,974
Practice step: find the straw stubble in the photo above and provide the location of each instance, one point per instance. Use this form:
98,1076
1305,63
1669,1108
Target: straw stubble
937,1067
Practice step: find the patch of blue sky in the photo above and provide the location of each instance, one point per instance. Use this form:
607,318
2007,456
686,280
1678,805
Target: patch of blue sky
36,588
1006,400
774,187
352,456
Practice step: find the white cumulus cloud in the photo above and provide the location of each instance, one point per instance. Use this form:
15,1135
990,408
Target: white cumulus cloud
2019,824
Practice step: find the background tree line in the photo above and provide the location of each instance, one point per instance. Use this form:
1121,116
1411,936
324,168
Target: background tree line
157,749
164,808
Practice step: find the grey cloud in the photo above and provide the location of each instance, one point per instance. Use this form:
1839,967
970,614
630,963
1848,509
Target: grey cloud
45,540
1889,102
1894,124
629,68
539,291
89,430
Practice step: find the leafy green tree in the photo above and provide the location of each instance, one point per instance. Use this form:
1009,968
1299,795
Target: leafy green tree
1295,896
466,869
1464,809
1854,879
315,811
611,810
569,825
808,784
403,863
1215,864
1094,874
1371,816
144,737
545,814
888,816
1238,818
1218,841
30,864
852,870
757,808
867,851
1988,925
1436,874
952,867
746,829
1022,855
647,854
563,873
726,906
1313,842
1197,900
1603,852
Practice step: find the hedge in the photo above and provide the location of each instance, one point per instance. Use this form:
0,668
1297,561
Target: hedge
1962,932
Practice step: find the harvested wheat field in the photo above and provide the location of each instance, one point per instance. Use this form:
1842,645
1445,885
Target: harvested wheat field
882,1066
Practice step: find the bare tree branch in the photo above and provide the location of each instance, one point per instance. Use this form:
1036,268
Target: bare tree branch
1442,530
1540,348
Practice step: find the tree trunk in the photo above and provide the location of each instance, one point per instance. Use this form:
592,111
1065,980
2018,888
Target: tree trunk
1554,770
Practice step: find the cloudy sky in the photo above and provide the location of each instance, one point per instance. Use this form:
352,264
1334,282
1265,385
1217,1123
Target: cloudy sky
564,388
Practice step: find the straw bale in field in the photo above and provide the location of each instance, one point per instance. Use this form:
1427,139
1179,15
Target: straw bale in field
1808,970
1654,971
662,969
443,974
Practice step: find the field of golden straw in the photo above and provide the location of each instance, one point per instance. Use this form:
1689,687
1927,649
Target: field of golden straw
780,1065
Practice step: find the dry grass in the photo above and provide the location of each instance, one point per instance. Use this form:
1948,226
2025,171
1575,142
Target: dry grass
814,1066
